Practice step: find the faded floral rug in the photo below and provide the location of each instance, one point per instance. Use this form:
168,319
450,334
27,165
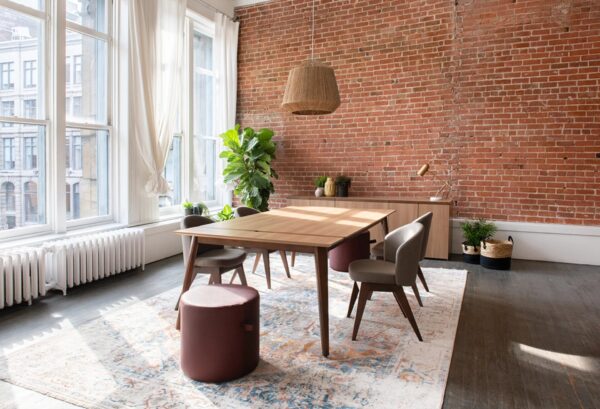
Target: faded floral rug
129,357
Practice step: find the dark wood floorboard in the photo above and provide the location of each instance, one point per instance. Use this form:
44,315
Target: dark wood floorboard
527,338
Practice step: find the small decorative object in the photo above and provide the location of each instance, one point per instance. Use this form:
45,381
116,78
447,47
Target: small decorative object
329,187
188,208
320,185
342,183
442,192
311,87
497,254
225,214
475,232
200,209
249,155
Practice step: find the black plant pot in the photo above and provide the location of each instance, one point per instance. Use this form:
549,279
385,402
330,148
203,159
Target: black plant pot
341,189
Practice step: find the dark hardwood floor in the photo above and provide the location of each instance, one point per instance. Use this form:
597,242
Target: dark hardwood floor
527,338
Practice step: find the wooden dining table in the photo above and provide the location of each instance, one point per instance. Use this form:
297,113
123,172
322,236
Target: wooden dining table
304,229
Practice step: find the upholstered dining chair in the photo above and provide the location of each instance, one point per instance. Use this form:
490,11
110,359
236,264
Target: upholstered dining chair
244,211
425,220
212,259
398,269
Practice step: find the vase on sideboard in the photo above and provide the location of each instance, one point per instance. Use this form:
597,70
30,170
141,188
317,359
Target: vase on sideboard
330,188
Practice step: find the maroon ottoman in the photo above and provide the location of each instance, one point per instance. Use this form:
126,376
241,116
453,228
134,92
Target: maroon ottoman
219,332
355,248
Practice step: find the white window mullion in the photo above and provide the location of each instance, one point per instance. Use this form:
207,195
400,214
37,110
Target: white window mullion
57,141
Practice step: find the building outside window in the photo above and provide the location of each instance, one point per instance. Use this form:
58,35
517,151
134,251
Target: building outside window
30,203
30,74
29,108
76,69
30,150
8,153
8,110
7,75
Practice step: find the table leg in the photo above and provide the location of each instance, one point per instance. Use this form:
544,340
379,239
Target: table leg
322,291
384,224
189,272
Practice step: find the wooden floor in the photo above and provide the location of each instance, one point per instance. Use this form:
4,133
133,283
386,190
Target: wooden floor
528,338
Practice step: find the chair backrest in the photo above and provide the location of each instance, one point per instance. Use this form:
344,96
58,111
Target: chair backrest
425,220
245,211
195,220
403,247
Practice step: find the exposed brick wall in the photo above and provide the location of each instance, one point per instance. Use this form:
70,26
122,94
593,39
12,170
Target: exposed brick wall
502,94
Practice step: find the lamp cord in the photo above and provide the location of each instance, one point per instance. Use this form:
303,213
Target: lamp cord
312,45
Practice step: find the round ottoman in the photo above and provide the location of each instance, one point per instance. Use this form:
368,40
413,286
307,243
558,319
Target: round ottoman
219,332
355,248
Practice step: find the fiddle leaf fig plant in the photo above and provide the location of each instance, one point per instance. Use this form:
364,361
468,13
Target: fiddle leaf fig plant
249,155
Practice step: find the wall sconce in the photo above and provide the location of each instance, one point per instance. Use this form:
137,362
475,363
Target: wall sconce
442,191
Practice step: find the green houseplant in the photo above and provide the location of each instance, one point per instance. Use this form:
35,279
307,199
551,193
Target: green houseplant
188,208
249,155
320,185
225,214
475,232
342,183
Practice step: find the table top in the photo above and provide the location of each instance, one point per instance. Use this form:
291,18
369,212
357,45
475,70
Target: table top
304,226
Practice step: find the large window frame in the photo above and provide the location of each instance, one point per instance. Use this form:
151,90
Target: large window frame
51,68
195,23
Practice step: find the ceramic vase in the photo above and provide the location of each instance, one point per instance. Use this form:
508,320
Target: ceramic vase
330,188
319,192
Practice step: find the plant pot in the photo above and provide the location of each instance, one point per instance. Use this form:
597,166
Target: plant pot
471,254
341,189
497,254
319,192
330,188
187,212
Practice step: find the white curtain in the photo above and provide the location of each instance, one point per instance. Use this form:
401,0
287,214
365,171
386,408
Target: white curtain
225,65
156,55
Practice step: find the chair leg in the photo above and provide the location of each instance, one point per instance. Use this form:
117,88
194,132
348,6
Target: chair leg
406,306
293,258
285,263
235,273
422,278
179,298
267,263
362,301
352,299
216,277
256,261
240,272
417,295
399,304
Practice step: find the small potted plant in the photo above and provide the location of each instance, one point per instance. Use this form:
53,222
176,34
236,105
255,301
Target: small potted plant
188,208
342,183
474,233
200,209
225,214
320,185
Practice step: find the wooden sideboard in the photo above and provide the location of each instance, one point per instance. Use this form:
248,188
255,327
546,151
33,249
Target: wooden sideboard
406,210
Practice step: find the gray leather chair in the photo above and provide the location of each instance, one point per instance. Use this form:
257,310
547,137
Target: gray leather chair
425,220
212,259
244,211
398,269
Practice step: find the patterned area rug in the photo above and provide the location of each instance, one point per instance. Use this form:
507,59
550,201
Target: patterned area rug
129,357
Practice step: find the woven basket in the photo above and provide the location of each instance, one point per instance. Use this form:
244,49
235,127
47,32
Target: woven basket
497,254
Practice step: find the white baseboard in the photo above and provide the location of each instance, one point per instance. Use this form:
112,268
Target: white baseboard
563,243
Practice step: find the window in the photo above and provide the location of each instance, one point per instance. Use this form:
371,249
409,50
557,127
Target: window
8,153
30,203
7,75
172,174
30,151
8,196
30,74
8,110
29,108
84,132
76,69
204,140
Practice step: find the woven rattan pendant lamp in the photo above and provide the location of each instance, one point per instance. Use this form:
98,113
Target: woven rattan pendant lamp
311,88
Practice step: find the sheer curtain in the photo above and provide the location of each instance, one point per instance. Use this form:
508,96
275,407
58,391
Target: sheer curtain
226,45
156,53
